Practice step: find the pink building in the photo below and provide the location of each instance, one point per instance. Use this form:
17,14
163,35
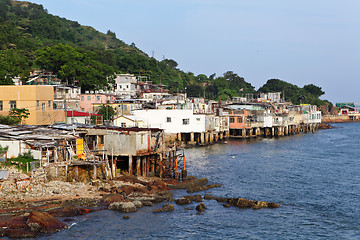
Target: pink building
88,99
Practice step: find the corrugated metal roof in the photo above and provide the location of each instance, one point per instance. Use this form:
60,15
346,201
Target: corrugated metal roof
4,174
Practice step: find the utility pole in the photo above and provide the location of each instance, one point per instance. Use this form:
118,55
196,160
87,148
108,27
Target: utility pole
65,109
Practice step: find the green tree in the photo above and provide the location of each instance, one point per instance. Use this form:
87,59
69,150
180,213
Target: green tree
107,111
19,114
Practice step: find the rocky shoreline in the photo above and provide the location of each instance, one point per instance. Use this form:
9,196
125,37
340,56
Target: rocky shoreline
34,209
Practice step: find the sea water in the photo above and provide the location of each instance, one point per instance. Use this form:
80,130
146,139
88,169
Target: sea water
314,176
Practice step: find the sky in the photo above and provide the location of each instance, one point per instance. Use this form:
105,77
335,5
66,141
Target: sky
301,42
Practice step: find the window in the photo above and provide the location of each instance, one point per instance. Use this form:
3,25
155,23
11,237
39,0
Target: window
127,86
43,106
239,119
37,103
186,121
120,86
1,105
49,104
123,124
89,98
82,98
168,119
197,119
97,98
12,104
232,120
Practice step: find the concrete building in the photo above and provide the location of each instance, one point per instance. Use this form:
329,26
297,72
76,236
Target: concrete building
89,99
126,86
38,99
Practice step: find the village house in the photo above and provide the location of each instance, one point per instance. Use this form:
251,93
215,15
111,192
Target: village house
91,98
67,96
38,99
128,121
126,86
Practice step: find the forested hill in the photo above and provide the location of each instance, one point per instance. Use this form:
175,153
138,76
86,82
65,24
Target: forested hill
31,38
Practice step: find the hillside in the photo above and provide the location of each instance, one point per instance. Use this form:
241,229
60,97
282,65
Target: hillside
32,38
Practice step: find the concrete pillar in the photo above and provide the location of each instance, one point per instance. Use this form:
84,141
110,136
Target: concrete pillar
95,173
179,136
221,135
192,136
131,165
138,166
216,137
143,167
273,131
202,138
211,137
243,133
206,137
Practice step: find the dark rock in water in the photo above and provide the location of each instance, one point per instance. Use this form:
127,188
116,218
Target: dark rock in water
147,203
44,222
189,178
163,196
126,207
165,208
210,197
193,189
189,184
195,198
70,211
183,201
226,205
200,208
126,217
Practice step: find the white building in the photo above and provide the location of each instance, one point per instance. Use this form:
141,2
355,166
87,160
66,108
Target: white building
172,120
126,86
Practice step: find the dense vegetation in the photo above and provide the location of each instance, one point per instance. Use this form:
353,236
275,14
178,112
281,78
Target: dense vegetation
292,93
32,38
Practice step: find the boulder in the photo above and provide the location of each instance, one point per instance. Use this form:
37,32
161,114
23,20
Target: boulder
200,208
165,208
163,196
44,222
195,198
126,207
138,204
183,201
111,198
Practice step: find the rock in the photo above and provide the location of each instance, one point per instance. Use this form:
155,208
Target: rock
17,233
70,211
200,208
183,201
111,198
210,197
147,203
189,178
165,208
273,205
126,207
126,217
163,196
138,204
189,184
44,222
226,205
195,198
192,189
